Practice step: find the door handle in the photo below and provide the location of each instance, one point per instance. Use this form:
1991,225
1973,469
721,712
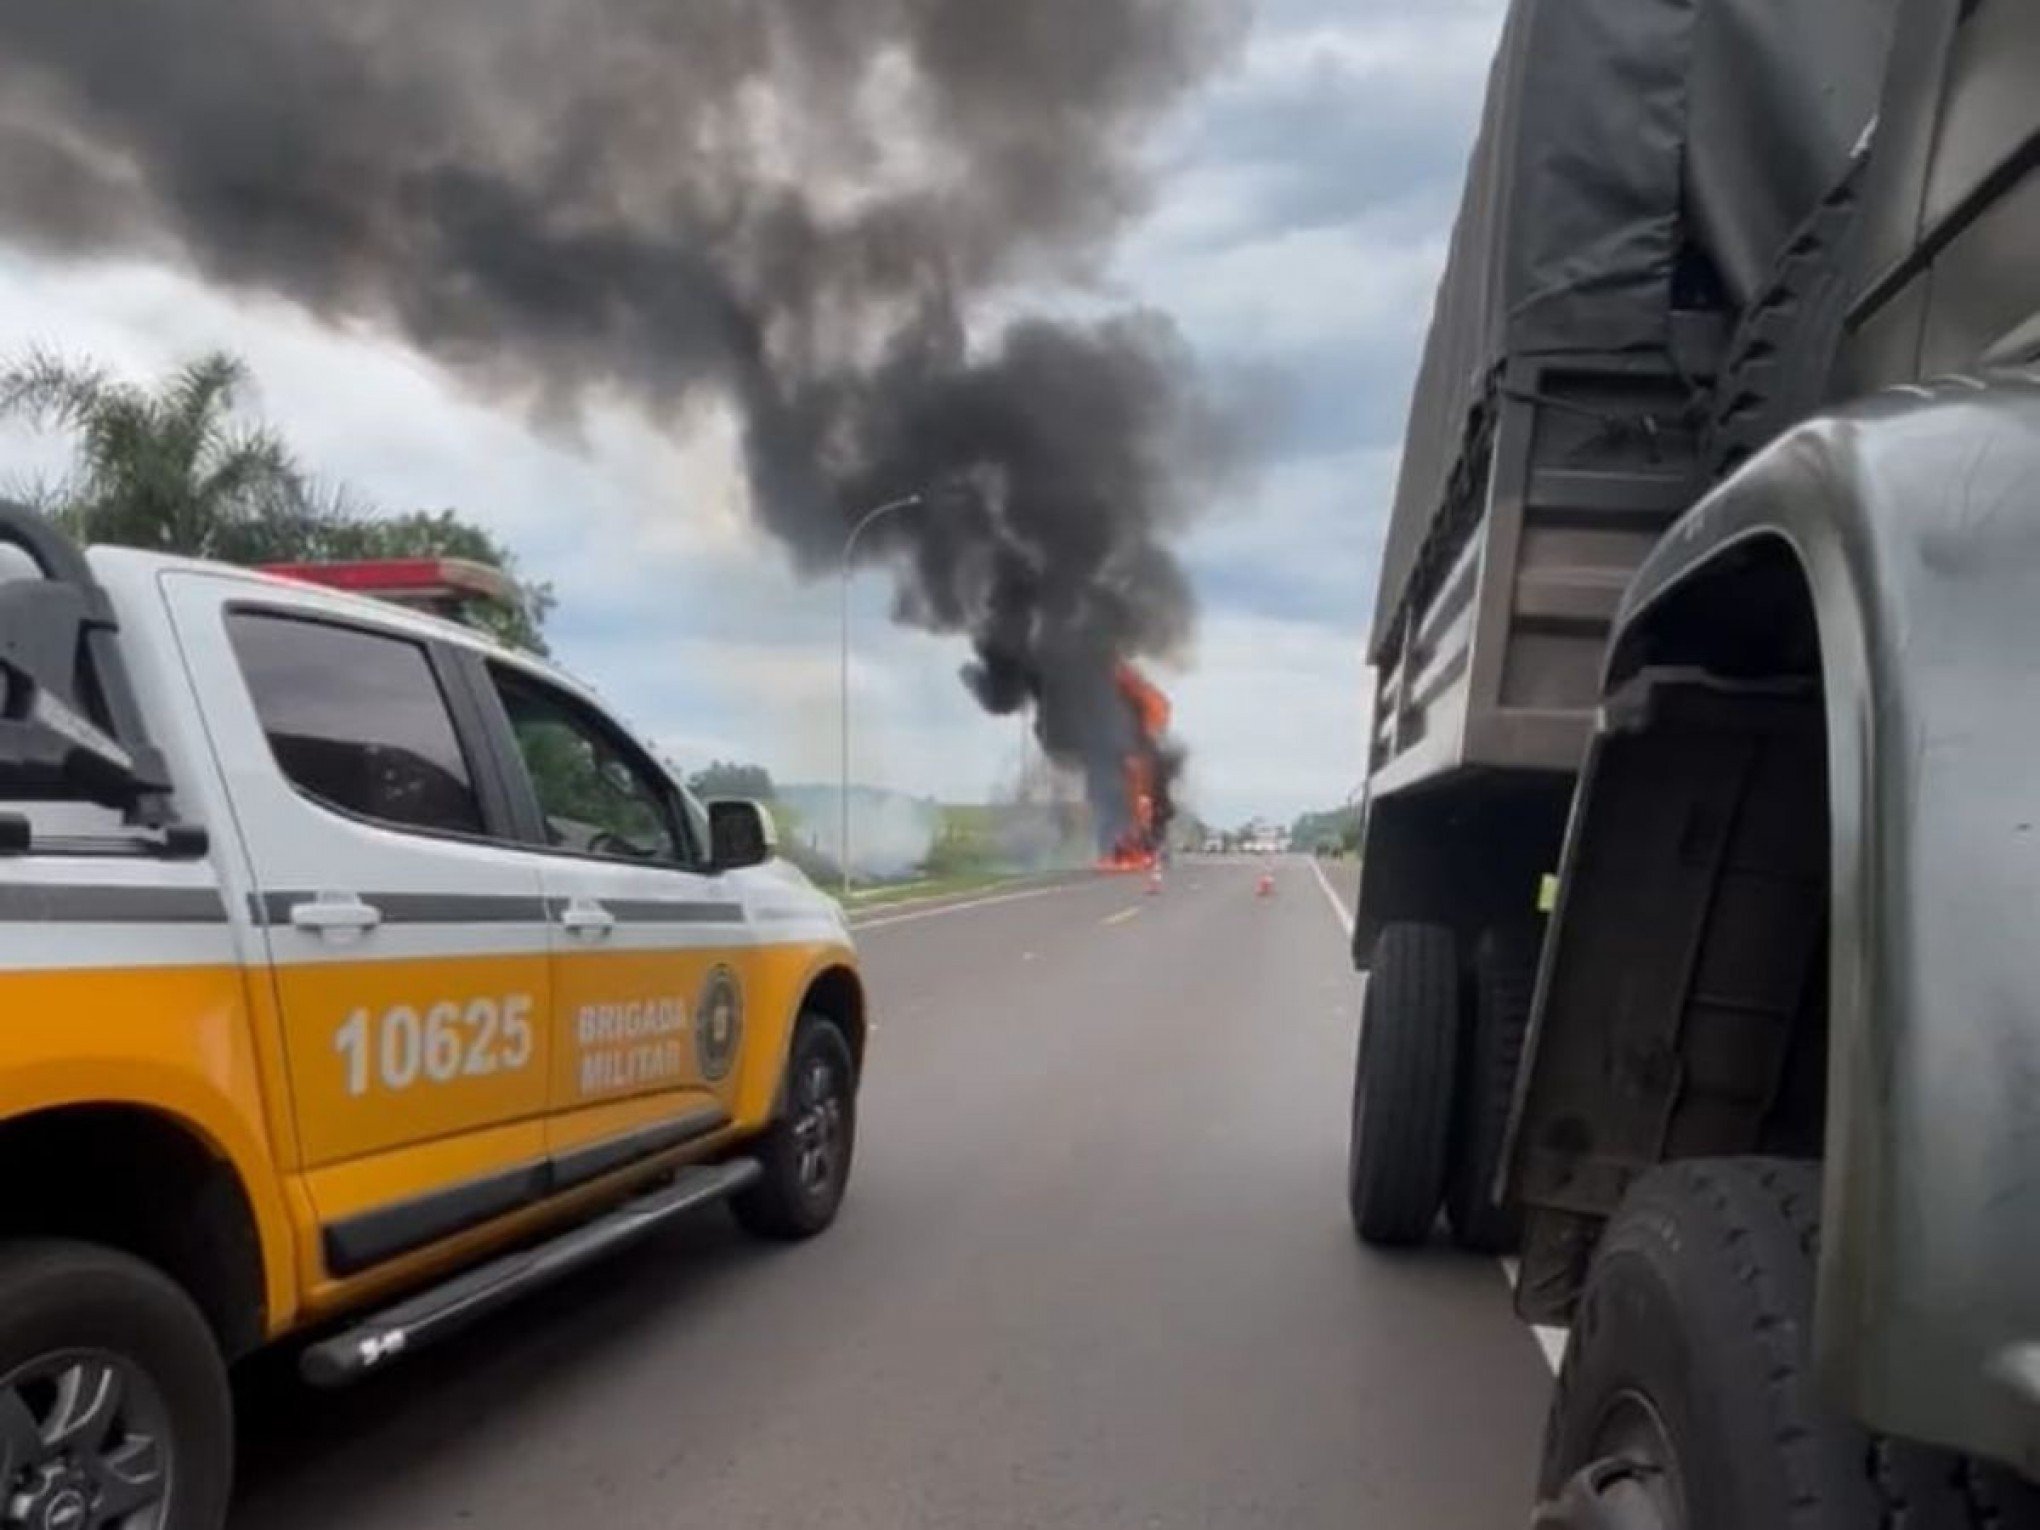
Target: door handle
584,916
335,914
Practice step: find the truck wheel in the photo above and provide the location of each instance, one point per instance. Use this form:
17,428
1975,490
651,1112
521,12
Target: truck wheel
114,1408
1779,358
1686,1400
1504,980
806,1153
1402,1085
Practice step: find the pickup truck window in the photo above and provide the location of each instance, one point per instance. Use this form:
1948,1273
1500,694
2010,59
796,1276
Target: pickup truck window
357,720
597,793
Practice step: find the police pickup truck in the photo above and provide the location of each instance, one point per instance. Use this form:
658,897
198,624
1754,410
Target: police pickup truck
359,975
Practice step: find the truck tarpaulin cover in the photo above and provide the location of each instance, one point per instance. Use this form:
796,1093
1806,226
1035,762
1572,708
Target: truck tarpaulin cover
1618,133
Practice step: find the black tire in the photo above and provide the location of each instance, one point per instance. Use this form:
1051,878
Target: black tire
1694,1323
1403,1081
1780,357
74,1317
1504,980
791,1201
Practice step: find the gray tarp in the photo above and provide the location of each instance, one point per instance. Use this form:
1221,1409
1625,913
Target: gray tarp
1615,133
1781,91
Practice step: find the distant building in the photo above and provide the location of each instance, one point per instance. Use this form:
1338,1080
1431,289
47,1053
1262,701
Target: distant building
1263,838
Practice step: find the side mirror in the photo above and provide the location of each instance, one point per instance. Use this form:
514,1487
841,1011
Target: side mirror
740,833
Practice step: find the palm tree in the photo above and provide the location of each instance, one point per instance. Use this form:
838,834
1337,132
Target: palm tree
177,469
173,468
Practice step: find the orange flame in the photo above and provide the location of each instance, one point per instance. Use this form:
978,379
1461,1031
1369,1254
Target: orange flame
1137,845
1150,707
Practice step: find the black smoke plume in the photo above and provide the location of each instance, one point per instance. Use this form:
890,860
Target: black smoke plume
810,208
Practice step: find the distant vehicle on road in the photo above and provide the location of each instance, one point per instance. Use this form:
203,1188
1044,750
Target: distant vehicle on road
1259,838
361,974
1699,857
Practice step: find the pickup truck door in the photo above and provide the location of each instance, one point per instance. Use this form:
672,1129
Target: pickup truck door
411,975
648,950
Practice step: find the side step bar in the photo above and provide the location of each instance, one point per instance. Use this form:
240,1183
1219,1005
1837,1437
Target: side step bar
445,1309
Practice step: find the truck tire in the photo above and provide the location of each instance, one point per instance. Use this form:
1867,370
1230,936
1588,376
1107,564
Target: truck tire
1504,981
1779,359
1403,1079
806,1153
114,1407
1686,1399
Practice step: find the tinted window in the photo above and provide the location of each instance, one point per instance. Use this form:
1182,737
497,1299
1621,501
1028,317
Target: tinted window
357,719
598,795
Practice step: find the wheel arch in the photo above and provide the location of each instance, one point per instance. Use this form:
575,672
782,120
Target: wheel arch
837,991
160,1188
1902,525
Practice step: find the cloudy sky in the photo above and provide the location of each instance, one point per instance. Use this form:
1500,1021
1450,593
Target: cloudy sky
1298,223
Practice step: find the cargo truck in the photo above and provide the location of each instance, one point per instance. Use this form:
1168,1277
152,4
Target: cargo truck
1702,847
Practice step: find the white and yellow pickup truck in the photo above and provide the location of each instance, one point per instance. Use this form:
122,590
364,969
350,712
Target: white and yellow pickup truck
358,974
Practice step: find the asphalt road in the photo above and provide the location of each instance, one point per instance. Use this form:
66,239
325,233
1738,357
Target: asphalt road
1094,1271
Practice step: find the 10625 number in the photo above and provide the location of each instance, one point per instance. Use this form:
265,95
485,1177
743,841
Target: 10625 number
455,1038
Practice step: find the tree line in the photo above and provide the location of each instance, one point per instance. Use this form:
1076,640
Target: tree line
179,466
1331,831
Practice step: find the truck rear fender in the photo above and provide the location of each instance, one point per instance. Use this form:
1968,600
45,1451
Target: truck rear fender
1909,525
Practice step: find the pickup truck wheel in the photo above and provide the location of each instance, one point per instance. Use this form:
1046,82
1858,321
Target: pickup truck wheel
806,1153
114,1409
1403,1080
1686,1400
1504,981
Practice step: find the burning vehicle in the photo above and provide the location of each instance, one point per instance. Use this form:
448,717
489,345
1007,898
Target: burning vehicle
1135,840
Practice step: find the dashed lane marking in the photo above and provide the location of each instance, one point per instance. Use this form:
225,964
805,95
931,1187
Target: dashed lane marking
1122,916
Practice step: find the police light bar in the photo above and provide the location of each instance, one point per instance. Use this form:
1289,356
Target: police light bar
441,585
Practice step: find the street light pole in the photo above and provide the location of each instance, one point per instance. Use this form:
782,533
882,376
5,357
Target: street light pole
911,502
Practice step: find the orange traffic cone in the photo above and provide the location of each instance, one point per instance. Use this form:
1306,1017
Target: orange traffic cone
1265,888
1154,884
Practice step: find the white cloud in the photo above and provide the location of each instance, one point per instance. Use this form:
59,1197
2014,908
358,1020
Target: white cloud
1295,289
1275,714
1307,533
1439,46
364,411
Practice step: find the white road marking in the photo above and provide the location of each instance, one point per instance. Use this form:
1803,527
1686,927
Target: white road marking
1338,908
1550,1340
1122,916
859,925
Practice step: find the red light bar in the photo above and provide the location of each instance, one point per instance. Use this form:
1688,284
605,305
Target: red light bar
432,582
